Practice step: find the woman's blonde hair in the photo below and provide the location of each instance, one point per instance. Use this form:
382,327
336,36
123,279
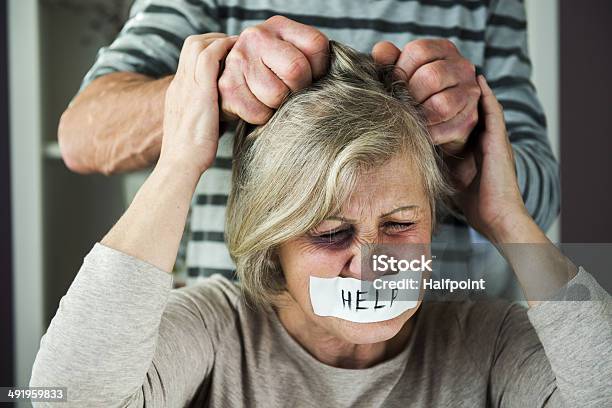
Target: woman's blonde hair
301,166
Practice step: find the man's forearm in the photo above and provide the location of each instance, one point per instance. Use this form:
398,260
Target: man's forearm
115,124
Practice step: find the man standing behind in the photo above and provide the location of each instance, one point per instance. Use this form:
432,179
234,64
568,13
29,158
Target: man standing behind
115,123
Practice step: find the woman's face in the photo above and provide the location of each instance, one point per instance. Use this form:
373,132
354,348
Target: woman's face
388,206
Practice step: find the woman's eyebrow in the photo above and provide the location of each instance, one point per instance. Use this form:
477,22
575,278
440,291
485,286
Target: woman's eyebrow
339,218
405,207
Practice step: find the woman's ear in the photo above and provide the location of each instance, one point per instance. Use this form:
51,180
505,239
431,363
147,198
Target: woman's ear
274,265
273,259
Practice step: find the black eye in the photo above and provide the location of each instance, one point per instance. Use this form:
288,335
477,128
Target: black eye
395,227
336,238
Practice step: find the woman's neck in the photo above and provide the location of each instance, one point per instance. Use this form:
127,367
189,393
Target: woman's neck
334,351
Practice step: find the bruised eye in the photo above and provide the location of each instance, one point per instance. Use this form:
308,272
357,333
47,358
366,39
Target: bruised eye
336,238
395,227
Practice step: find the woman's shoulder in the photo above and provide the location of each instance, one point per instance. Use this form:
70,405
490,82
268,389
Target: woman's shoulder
215,291
476,328
215,300
218,305
471,314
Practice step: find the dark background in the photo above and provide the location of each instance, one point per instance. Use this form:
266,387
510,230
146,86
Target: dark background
586,120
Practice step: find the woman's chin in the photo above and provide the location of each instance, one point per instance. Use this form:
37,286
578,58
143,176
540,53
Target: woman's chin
367,333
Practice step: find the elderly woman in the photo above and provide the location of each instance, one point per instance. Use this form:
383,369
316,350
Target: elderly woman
343,164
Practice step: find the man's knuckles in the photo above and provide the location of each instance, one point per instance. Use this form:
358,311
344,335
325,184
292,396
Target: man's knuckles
252,111
278,21
296,70
437,75
254,37
265,85
443,106
317,43
237,100
313,42
466,70
275,93
425,49
431,77
447,45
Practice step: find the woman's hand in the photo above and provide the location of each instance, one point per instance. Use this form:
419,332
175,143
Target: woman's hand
490,199
492,203
152,227
191,117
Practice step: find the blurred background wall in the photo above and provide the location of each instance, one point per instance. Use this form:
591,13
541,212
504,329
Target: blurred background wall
543,42
57,215
6,258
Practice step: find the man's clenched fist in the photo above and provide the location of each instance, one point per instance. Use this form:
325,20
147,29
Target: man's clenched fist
443,81
267,62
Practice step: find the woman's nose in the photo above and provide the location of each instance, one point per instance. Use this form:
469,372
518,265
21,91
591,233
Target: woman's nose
357,264
352,269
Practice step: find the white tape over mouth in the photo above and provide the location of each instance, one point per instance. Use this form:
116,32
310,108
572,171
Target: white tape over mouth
358,301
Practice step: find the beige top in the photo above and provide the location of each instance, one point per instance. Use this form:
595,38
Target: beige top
123,337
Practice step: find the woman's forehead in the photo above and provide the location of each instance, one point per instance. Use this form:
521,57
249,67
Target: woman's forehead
383,189
399,176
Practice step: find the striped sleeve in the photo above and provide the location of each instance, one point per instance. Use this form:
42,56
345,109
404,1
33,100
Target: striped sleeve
151,39
507,67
